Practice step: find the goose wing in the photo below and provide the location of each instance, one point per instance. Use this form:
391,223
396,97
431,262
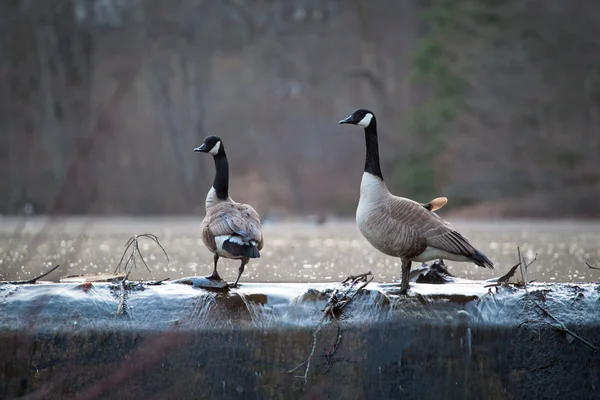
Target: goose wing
425,229
234,218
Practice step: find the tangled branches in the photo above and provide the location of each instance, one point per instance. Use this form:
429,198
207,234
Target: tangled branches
133,244
554,322
338,300
131,263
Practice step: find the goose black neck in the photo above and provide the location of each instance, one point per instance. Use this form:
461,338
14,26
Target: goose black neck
372,159
221,182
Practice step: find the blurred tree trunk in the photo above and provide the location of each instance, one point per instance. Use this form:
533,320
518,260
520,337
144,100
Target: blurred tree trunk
47,95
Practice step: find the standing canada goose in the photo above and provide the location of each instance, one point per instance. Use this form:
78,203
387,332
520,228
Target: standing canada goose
229,229
401,227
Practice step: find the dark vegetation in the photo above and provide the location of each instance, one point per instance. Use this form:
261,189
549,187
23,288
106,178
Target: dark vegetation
488,102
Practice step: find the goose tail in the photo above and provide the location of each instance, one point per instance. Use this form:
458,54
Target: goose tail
481,260
245,250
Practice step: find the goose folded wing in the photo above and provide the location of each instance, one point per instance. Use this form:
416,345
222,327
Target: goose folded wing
425,228
242,221
440,235
451,241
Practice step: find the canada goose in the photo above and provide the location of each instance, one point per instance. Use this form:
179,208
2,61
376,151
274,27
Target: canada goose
401,227
229,229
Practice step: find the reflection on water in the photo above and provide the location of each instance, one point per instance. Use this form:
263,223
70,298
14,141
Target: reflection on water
293,252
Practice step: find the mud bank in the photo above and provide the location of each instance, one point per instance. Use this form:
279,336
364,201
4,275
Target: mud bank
451,341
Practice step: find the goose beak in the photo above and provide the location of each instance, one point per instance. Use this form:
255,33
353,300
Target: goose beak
201,149
346,121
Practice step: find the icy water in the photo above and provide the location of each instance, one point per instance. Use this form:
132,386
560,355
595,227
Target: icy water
293,251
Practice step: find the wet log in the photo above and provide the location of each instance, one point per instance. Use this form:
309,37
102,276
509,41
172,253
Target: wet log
460,340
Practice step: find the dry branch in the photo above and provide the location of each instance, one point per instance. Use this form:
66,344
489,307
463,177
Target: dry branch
156,283
590,267
524,265
558,325
338,300
133,245
32,280
504,278
334,348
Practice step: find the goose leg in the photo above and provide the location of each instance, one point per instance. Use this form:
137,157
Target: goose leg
241,270
215,275
405,276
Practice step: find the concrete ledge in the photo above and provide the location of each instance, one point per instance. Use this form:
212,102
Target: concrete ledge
450,341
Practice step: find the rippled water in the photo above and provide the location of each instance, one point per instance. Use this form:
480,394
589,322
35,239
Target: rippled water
293,251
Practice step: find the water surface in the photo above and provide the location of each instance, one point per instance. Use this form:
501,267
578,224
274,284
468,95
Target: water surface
293,252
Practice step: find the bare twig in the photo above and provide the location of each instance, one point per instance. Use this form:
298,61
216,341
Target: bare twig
338,300
504,278
524,265
156,283
121,307
310,356
558,325
356,277
32,280
591,267
344,303
334,348
133,244
521,265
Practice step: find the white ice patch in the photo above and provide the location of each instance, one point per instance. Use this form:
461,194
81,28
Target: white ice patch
366,120
215,148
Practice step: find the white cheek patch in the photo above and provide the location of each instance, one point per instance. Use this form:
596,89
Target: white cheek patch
366,120
215,148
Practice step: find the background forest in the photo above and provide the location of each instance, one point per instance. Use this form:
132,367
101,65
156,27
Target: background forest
494,104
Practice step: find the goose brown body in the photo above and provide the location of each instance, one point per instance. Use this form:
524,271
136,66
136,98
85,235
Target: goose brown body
229,218
400,227
229,229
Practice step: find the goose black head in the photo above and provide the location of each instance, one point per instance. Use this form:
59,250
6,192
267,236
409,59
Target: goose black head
212,145
360,117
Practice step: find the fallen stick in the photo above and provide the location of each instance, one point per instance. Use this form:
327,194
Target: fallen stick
357,277
559,326
505,277
590,267
156,283
33,280
334,348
